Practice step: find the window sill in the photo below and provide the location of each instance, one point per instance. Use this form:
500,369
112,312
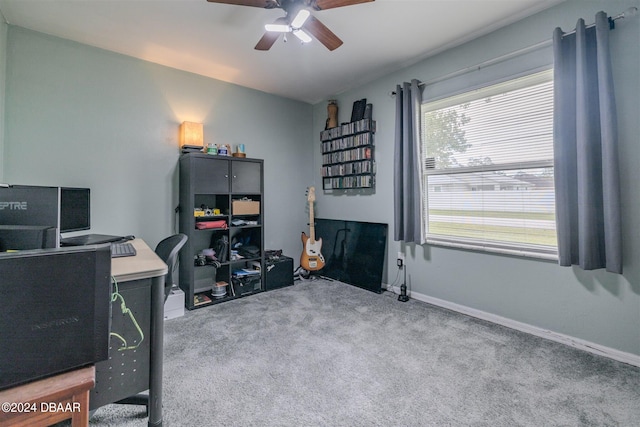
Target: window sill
546,255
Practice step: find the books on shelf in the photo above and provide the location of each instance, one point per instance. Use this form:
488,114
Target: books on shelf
348,151
346,142
237,222
364,125
353,168
358,181
243,272
353,155
200,299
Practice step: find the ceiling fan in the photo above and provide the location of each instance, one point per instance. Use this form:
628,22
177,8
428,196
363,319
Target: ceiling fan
298,20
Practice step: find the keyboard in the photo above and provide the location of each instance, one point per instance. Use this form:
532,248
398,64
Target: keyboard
122,249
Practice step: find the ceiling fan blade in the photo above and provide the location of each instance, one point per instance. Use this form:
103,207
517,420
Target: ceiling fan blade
322,33
267,40
266,4
330,4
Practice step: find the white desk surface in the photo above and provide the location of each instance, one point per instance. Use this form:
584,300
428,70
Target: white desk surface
144,265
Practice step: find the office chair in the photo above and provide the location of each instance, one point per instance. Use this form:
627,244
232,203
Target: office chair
167,250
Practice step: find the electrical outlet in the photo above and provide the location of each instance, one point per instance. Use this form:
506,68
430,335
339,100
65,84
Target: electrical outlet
400,259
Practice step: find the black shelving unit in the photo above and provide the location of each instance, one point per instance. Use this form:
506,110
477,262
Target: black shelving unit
348,159
214,188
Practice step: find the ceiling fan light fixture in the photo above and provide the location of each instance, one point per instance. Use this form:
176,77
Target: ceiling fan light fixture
304,37
278,28
300,18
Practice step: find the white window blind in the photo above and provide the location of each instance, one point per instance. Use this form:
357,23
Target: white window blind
488,168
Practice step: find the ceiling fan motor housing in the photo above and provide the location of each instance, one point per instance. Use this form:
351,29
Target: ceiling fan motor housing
292,6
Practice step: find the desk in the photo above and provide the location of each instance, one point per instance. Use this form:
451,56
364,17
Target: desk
141,282
50,400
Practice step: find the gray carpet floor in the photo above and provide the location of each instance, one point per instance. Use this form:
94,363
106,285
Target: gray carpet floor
323,353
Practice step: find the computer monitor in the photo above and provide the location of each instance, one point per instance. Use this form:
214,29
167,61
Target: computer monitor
75,209
29,205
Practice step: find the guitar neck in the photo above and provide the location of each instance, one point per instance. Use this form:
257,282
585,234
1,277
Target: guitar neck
312,227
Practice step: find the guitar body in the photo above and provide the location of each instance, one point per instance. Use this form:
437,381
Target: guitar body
311,258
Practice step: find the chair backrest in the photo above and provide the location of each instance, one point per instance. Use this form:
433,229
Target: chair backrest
168,250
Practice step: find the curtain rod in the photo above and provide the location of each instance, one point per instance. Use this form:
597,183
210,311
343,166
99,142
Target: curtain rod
626,14
612,25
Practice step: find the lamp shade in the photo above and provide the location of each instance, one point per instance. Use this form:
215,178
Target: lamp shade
191,134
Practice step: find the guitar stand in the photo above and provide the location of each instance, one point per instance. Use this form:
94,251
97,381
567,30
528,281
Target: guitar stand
302,274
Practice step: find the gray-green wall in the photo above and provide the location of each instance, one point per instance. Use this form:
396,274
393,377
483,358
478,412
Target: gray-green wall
80,116
3,61
596,307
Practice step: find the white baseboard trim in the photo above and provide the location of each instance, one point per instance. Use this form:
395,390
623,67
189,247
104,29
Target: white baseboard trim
620,356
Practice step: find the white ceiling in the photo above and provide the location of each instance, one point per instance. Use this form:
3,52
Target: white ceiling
217,40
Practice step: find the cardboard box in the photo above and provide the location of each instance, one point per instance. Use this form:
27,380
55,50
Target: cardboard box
245,207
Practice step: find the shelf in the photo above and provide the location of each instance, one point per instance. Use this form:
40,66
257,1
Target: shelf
347,143
213,183
222,264
348,182
346,156
365,167
364,125
210,218
242,260
210,229
348,160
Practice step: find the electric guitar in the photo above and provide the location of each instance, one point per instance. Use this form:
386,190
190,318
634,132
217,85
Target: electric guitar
311,258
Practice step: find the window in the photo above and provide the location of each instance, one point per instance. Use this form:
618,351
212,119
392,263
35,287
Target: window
488,168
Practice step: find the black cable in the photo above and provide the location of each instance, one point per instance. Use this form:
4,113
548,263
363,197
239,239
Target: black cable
395,281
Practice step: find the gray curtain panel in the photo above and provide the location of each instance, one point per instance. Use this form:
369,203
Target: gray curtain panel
585,149
407,171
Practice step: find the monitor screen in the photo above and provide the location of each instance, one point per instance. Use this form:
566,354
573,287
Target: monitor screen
75,211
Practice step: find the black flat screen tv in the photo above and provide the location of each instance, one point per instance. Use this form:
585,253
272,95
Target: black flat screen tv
354,251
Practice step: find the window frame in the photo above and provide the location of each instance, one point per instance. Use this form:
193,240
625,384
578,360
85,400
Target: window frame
513,82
